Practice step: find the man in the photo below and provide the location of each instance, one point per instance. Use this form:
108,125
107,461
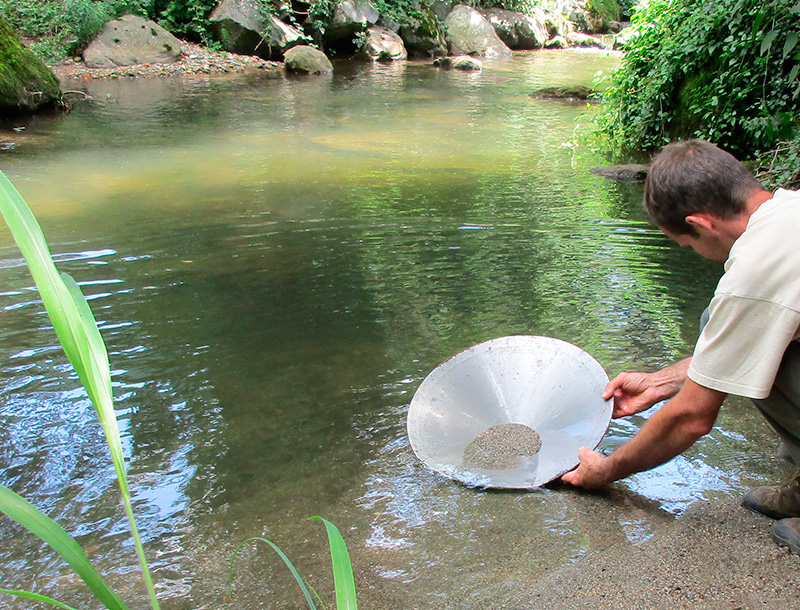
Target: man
703,198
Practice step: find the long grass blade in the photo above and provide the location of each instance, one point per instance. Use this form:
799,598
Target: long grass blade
36,522
285,559
77,331
37,597
343,579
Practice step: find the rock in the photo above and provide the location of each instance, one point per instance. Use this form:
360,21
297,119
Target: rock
304,59
350,17
242,29
632,172
132,40
466,63
518,30
469,33
578,39
557,42
423,35
382,44
26,83
569,93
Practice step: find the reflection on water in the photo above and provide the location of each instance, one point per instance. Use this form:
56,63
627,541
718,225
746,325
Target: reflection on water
275,265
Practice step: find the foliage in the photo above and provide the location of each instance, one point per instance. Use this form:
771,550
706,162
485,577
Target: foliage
186,18
65,27
780,167
606,10
343,580
77,331
725,70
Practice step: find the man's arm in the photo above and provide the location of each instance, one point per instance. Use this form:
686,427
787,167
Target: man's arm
635,392
669,432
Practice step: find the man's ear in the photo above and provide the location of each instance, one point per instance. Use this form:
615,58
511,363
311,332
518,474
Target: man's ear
702,223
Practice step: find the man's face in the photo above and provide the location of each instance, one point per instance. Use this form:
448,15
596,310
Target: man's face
705,244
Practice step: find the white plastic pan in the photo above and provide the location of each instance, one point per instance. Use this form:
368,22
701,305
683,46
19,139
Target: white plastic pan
547,384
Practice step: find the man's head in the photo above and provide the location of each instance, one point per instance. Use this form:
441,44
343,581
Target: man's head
693,177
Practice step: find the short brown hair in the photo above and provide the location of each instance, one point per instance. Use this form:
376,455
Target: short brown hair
695,176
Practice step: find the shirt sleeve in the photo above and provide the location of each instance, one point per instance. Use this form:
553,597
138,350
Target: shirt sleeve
741,348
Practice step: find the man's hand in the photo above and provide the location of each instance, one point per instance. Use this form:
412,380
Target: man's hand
670,431
591,473
636,392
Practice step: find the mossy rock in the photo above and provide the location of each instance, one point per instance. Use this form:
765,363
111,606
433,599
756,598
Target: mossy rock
566,93
26,83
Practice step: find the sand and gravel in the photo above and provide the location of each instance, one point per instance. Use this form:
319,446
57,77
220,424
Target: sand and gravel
715,556
195,59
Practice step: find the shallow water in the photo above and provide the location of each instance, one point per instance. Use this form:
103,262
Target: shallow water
275,265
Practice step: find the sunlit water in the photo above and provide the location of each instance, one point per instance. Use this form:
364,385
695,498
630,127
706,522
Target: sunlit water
275,265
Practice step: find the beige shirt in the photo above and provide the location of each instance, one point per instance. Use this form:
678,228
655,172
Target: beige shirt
755,312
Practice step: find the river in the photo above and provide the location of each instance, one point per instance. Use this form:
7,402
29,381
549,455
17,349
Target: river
275,265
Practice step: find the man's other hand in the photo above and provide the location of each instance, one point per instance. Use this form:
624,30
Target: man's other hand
592,472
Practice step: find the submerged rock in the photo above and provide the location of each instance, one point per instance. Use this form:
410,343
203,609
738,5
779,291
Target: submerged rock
26,83
470,33
304,59
132,40
567,93
466,63
631,172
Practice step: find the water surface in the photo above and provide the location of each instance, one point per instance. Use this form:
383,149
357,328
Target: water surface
276,264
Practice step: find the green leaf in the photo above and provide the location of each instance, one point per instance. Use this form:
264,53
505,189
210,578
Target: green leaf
77,331
39,524
768,39
791,42
37,597
794,72
285,559
343,579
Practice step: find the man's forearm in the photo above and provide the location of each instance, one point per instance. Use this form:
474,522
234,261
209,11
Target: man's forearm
669,432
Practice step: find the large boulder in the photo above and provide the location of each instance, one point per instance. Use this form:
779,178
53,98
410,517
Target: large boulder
132,40
422,34
26,84
469,33
304,59
349,18
381,44
579,39
519,30
242,28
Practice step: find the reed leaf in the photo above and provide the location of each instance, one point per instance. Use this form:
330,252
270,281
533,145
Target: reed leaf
36,522
77,331
37,597
343,579
285,559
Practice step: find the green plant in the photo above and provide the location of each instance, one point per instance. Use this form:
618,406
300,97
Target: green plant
343,580
780,167
725,70
77,331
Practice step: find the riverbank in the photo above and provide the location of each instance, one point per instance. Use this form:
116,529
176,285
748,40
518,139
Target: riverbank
715,556
195,59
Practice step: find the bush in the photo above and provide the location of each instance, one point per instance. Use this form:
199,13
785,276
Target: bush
66,27
725,70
